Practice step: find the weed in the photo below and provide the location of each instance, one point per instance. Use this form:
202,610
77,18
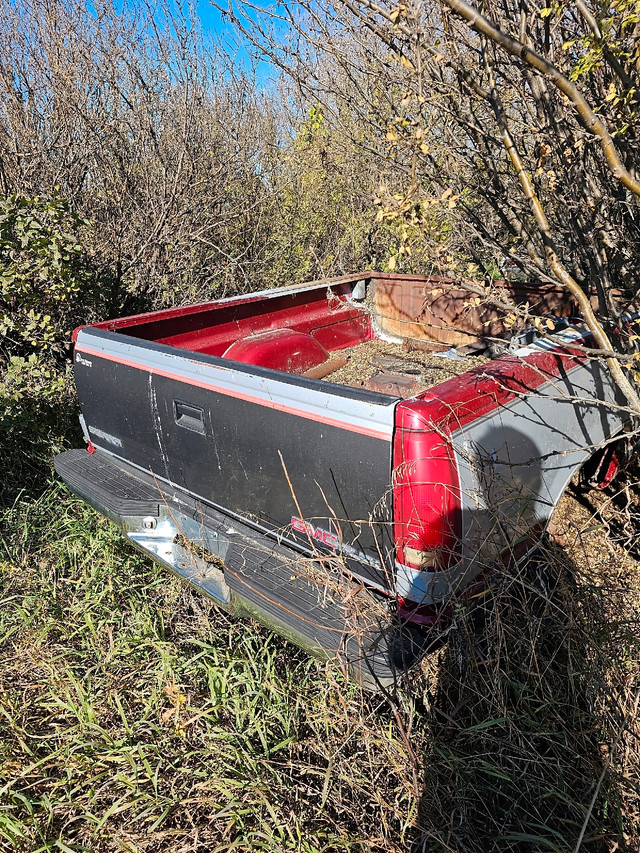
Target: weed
136,716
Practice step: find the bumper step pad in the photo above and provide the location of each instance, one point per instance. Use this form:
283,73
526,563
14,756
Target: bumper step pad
307,599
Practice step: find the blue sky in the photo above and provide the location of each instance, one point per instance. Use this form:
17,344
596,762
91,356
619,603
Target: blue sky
210,18
214,24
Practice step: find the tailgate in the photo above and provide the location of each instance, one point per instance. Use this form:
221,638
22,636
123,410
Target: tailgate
304,460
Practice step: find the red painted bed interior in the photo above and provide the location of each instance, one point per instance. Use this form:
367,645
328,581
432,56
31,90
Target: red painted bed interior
280,349
237,329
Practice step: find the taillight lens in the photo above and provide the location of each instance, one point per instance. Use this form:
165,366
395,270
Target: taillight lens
426,501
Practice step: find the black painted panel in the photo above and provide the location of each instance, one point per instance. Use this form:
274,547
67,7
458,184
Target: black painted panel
262,464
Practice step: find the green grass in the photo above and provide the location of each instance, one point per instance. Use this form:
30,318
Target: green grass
136,716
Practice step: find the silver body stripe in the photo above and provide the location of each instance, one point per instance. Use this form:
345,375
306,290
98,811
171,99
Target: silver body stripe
427,587
371,418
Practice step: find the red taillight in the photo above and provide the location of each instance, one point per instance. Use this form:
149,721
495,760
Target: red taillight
426,490
601,470
427,615
426,505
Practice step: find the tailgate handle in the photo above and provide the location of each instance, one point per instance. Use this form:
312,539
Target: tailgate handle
189,417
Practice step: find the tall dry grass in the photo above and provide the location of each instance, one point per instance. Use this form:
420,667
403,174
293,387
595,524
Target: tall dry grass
138,717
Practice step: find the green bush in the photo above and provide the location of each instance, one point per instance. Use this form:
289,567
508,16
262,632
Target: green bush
43,272
45,280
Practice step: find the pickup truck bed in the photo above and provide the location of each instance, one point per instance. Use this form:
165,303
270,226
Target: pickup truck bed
345,517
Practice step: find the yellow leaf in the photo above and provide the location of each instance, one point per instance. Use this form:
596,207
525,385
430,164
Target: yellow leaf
446,194
391,263
406,63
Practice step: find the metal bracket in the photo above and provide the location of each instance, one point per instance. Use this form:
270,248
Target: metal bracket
164,543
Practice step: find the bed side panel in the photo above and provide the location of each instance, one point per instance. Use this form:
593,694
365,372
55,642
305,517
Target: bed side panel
517,459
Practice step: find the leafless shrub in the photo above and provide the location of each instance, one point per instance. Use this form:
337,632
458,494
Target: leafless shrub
521,121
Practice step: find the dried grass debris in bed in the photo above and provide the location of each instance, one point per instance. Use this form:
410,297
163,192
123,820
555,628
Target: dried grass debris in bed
374,357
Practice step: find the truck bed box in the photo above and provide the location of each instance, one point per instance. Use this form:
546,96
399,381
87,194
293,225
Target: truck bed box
344,517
